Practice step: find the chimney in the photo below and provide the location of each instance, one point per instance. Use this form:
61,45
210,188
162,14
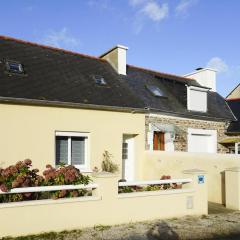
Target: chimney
117,57
205,77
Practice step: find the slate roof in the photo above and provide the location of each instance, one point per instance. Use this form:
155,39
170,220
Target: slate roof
174,88
234,127
61,76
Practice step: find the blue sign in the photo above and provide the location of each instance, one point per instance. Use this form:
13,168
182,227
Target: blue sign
200,179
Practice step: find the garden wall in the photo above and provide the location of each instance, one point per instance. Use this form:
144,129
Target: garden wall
105,207
158,163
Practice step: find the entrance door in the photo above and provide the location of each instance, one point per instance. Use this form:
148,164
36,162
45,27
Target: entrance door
128,157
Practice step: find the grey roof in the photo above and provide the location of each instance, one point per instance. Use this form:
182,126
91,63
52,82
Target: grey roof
63,77
174,87
234,127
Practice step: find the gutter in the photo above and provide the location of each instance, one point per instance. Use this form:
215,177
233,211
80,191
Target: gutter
209,118
37,102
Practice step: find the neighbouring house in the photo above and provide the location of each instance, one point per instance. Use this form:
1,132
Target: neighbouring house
60,106
233,130
185,113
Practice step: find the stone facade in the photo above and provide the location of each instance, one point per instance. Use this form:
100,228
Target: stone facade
180,142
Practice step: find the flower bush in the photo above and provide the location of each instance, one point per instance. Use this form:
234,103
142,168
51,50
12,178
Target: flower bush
151,187
21,175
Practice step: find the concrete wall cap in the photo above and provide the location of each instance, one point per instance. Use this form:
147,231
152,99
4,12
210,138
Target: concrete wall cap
233,169
194,171
105,175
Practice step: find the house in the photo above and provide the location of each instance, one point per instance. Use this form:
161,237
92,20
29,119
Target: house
60,106
233,130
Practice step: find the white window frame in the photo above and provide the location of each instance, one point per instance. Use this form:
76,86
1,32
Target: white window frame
213,133
189,107
169,146
83,167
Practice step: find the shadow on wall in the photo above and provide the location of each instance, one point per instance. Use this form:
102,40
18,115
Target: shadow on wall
223,188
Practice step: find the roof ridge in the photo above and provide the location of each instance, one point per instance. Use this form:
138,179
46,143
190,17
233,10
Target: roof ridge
50,48
232,99
161,73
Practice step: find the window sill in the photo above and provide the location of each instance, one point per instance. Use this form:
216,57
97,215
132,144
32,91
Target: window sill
85,170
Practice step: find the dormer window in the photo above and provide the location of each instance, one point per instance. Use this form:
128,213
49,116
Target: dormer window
197,99
155,91
99,80
14,67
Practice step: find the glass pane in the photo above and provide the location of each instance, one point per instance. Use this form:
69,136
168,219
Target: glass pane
61,150
78,150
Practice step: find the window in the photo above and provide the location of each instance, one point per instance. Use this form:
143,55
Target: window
99,80
14,67
155,91
158,141
197,99
72,149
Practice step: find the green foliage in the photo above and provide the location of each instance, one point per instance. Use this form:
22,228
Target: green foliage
107,164
101,227
125,189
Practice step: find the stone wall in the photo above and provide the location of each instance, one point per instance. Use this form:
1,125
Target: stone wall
180,142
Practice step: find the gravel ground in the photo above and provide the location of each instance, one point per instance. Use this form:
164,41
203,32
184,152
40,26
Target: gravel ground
224,226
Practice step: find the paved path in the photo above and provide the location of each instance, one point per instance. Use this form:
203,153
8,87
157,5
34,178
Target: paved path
216,208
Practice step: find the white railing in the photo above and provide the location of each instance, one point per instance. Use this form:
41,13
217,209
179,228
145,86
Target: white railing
154,182
50,188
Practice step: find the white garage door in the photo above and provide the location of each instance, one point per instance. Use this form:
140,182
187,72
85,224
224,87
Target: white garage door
204,141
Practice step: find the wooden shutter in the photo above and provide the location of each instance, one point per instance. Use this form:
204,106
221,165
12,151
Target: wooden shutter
158,141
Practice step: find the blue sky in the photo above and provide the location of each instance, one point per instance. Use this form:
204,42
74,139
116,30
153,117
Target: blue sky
173,36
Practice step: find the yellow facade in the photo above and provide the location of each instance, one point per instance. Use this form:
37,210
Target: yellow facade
29,132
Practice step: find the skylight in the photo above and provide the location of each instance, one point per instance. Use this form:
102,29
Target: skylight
99,80
155,91
14,67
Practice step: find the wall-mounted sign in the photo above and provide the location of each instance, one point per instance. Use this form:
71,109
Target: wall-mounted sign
200,179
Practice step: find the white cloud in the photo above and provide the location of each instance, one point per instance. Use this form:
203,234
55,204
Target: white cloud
218,64
60,39
184,5
148,10
136,2
155,11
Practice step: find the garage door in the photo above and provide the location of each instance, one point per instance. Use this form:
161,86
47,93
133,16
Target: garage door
203,141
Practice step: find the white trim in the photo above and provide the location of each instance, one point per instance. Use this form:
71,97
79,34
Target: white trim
50,188
154,182
154,193
86,166
71,134
200,89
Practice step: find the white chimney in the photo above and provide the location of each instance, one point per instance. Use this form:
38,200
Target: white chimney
205,77
117,57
